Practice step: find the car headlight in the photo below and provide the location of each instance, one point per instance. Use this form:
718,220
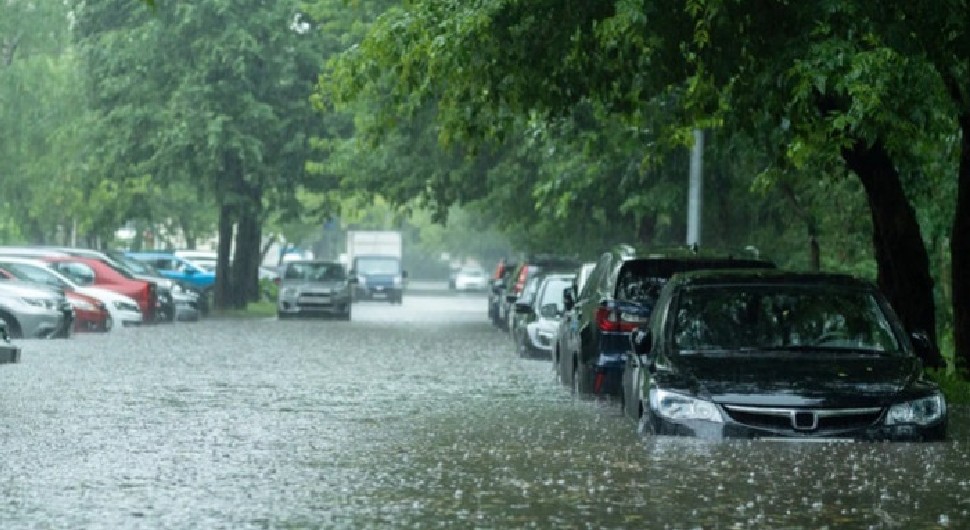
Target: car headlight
398,281
680,407
919,411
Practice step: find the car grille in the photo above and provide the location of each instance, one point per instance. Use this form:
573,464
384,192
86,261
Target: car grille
804,420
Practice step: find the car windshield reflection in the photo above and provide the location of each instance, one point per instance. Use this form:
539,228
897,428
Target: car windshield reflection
742,320
315,272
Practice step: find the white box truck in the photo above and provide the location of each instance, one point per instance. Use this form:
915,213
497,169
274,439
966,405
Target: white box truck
375,257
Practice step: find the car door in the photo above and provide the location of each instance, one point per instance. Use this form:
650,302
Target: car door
584,314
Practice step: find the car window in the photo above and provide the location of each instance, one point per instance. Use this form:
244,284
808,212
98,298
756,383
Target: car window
378,266
756,318
33,274
79,273
596,276
318,272
552,292
327,272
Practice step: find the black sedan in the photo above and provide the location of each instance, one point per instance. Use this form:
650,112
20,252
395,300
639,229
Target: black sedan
779,355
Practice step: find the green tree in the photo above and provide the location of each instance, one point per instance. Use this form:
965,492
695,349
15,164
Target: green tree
210,94
821,91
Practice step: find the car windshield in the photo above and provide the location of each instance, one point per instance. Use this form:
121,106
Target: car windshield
378,266
34,274
798,318
315,272
136,266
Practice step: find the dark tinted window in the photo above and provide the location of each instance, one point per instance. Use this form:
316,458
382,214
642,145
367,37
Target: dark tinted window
748,317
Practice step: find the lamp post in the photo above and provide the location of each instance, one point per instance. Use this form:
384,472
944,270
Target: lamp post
695,196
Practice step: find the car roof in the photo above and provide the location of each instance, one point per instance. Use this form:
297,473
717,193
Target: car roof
769,277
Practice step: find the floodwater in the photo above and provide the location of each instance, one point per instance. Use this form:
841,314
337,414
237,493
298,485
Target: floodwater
411,416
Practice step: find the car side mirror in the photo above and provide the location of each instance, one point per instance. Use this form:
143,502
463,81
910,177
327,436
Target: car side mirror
641,341
926,351
523,308
404,274
511,298
567,298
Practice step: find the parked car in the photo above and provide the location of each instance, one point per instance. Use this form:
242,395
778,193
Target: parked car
9,353
496,291
529,268
124,310
539,313
94,272
205,259
315,287
35,312
164,310
90,314
568,317
470,278
183,271
770,354
619,296
186,306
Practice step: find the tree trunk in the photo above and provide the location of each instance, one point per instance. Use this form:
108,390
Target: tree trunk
960,255
901,258
647,231
223,287
245,261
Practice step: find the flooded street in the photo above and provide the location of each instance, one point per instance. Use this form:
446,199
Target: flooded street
412,416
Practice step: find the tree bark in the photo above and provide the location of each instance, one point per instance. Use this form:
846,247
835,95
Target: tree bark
901,258
245,260
221,295
960,255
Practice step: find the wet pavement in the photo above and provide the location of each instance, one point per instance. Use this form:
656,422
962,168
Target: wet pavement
411,416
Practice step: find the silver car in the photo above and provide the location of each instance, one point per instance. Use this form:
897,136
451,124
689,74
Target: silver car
314,287
33,312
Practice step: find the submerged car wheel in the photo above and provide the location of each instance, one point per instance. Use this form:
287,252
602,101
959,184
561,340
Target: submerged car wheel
13,327
581,383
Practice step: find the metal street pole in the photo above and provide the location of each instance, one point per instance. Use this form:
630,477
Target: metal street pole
695,196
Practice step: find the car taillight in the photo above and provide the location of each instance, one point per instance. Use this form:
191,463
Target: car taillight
520,281
611,320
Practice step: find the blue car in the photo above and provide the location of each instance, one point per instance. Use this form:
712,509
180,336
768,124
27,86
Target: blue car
183,271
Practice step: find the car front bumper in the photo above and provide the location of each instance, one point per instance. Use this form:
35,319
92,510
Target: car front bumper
875,432
42,325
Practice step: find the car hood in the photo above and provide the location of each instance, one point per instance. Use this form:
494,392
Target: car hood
314,286
795,379
16,288
161,282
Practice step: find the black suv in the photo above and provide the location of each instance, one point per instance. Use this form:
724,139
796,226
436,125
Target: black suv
617,298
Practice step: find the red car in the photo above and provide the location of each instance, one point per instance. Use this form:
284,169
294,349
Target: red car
90,314
90,271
